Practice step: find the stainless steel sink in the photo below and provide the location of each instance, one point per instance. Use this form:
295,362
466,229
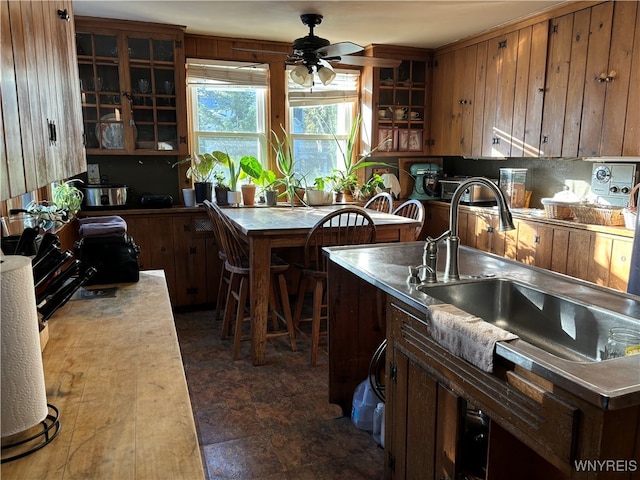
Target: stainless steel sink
560,326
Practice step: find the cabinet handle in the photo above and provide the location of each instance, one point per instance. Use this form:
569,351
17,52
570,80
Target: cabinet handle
63,14
536,239
490,229
55,133
540,89
545,139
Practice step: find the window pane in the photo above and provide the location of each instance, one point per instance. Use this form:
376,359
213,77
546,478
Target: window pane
319,120
235,147
233,110
317,158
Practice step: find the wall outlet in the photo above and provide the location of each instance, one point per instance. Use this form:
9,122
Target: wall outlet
93,172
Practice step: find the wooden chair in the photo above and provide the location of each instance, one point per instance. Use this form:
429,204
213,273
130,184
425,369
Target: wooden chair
225,276
347,226
412,209
237,264
381,202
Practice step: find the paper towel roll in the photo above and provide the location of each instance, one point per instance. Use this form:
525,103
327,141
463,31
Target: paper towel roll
391,181
22,387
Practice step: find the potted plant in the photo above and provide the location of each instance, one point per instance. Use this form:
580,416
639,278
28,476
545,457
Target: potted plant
292,182
369,188
200,172
253,170
316,194
346,179
65,203
220,187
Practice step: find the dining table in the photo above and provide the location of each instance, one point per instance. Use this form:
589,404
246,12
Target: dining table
266,228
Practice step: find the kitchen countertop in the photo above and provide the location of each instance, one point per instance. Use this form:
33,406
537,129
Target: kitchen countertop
610,384
113,369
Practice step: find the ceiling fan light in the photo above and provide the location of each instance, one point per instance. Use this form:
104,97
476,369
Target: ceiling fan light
301,75
326,75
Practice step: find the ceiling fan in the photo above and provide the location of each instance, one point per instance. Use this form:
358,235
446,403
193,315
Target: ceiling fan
313,52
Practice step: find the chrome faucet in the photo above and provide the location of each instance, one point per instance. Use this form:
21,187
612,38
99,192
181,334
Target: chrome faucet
453,241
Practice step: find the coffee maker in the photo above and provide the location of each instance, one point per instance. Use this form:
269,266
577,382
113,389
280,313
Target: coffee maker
427,176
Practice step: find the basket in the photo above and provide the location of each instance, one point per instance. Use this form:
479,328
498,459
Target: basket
557,210
630,213
599,214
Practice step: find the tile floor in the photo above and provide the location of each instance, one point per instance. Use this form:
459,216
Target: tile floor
268,422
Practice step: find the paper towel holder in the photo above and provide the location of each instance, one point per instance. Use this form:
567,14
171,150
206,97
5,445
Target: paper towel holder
50,427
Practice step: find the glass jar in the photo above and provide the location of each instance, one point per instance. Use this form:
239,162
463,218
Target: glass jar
622,342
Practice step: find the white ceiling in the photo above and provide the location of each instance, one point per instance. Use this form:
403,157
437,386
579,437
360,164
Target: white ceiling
425,23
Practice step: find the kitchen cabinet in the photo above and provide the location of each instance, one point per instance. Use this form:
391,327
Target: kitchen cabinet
397,101
607,81
184,247
132,79
429,394
534,244
592,73
42,124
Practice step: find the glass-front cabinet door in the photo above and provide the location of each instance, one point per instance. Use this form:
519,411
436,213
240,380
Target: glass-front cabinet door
133,96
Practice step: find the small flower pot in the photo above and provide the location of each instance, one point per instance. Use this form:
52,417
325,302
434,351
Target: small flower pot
271,197
203,191
248,194
221,195
315,197
234,198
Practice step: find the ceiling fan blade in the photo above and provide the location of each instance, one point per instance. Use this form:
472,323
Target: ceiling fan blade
369,61
339,49
275,52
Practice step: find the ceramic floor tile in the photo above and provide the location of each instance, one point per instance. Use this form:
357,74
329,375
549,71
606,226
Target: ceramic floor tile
270,422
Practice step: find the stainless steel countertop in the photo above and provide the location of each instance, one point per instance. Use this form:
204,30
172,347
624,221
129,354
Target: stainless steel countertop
611,384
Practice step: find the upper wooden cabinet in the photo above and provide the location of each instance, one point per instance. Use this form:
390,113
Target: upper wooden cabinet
41,124
132,79
564,86
397,102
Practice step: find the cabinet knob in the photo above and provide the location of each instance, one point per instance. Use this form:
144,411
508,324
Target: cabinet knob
490,229
63,14
536,239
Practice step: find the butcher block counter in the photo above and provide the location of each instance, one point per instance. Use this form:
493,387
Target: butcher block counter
114,371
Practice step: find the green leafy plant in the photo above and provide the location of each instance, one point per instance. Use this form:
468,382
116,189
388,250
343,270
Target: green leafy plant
201,168
346,178
66,201
290,179
371,186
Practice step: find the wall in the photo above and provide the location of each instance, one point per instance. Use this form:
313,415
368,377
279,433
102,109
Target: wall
142,174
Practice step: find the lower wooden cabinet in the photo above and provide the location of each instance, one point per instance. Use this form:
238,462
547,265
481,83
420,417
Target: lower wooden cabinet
184,247
596,255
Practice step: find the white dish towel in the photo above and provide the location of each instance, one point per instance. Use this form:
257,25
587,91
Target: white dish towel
391,182
466,335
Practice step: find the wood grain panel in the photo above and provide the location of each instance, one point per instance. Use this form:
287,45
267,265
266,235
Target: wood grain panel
620,58
579,254
535,88
631,142
621,251
506,94
577,71
600,256
521,92
491,95
557,77
478,99
13,181
468,89
594,89
560,250
421,418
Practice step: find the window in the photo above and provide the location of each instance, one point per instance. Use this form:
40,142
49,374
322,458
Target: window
227,107
317,117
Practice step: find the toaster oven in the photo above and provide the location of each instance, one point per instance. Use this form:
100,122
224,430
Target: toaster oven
473,195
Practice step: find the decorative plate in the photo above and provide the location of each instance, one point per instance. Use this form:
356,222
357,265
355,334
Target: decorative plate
111,135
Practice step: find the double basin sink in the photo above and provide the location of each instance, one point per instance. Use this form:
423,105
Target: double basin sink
558,325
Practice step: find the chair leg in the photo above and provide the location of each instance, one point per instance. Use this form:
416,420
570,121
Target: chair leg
286,310
229,305
317,319
302,290
240,308
220,299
